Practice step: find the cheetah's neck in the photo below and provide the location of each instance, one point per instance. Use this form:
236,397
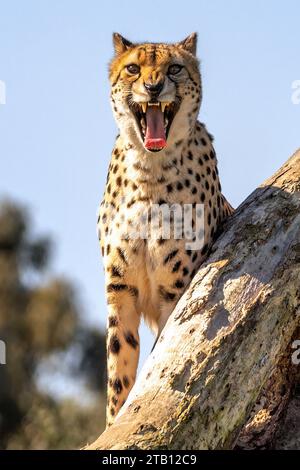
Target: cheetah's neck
143,167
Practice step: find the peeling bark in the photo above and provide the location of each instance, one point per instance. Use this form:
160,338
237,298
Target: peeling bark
267,417
227,343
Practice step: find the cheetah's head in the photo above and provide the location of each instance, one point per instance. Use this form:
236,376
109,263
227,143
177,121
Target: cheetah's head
155,91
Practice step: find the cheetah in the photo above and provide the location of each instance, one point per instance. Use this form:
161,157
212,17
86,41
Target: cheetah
163,157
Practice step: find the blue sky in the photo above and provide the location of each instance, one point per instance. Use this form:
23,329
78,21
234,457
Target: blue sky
57,130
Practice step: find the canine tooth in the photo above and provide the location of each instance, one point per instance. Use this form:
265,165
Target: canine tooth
163,106
143,124
144,107
166,122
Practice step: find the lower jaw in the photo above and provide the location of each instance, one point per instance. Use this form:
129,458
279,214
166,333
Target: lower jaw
154,150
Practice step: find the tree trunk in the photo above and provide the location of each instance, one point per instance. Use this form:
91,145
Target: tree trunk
267,418
228,342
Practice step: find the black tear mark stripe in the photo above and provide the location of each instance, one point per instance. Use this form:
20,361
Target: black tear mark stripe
130,339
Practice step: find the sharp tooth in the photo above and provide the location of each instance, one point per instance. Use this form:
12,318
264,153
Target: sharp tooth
144,107
163,105
143,124
166,122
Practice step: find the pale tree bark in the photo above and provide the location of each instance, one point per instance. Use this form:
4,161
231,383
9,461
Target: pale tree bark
226,349
267,418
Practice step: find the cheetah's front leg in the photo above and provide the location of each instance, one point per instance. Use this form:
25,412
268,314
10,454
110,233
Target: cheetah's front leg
122,345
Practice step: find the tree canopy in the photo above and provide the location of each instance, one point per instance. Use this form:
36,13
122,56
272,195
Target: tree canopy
39,320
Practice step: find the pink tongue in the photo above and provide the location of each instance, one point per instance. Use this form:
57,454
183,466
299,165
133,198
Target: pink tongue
155,132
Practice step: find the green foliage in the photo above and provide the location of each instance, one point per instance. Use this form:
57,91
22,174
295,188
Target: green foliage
37,321
48,425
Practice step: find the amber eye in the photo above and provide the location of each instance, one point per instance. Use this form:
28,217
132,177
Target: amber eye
133,69
174,69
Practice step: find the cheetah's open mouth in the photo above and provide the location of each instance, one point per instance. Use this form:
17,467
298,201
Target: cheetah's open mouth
154,120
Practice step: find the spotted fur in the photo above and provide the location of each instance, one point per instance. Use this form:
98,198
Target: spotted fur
148,276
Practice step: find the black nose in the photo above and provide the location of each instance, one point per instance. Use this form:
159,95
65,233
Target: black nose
154,88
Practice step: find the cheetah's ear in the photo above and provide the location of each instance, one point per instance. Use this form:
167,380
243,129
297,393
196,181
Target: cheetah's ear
189,44
121,44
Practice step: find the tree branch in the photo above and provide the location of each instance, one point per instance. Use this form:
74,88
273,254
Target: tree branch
228,333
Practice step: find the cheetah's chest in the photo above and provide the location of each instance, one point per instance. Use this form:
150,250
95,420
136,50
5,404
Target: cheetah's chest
144,210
